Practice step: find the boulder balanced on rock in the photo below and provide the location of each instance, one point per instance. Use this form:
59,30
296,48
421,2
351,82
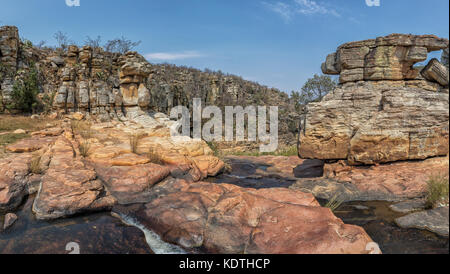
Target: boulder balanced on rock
383,110
385,58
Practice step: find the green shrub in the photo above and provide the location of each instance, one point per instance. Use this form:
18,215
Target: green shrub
47,102
24,93
284,151
437,190
214,147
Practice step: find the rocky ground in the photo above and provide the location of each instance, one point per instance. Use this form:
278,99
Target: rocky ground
167,197
265,204
386,200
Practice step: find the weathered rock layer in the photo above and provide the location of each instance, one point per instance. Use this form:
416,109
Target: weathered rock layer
393,115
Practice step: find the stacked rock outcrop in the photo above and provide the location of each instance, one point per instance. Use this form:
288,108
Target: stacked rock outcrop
385,58
109,85
133,73
9,45
384,109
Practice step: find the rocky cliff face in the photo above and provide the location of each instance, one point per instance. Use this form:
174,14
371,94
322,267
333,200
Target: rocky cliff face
107,85
384,109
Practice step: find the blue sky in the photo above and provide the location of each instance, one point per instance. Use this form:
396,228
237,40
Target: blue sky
276,43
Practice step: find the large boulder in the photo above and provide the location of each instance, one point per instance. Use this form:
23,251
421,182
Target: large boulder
228,219
13,185
383,110
69,186
377,122
435,71
385,58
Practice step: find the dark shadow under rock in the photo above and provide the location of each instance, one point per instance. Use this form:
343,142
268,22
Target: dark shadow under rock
309,169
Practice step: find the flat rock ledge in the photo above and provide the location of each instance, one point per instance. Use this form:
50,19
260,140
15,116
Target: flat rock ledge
435,220
409,206
221,218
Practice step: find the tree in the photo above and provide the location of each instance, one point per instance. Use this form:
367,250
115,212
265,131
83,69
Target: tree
41,44
120,45
312,91
62,39
316,88
94,43
25,91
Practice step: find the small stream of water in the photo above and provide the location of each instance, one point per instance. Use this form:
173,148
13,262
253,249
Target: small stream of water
97,233
101,233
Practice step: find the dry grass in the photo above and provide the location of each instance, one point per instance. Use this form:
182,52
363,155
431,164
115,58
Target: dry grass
83,128
284,151
9,138
10,123
35,165
334,203
154,157
134,141
437,190
85,147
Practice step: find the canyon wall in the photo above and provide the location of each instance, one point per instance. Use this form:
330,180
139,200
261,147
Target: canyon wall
106,85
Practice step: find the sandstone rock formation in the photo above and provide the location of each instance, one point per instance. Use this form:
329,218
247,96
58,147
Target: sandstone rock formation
383,111
167,197
10,219
385,58
106,85
69,186
68,183
228,219
435,220
9,50
435,71
388,182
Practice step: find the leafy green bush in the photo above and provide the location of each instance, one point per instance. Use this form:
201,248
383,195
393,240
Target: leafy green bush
24,93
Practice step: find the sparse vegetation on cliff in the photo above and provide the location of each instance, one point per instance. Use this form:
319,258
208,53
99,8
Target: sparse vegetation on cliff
437,190
24,94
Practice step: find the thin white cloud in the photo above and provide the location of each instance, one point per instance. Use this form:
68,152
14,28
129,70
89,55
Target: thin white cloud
171,56
304,7
312,7
282,9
